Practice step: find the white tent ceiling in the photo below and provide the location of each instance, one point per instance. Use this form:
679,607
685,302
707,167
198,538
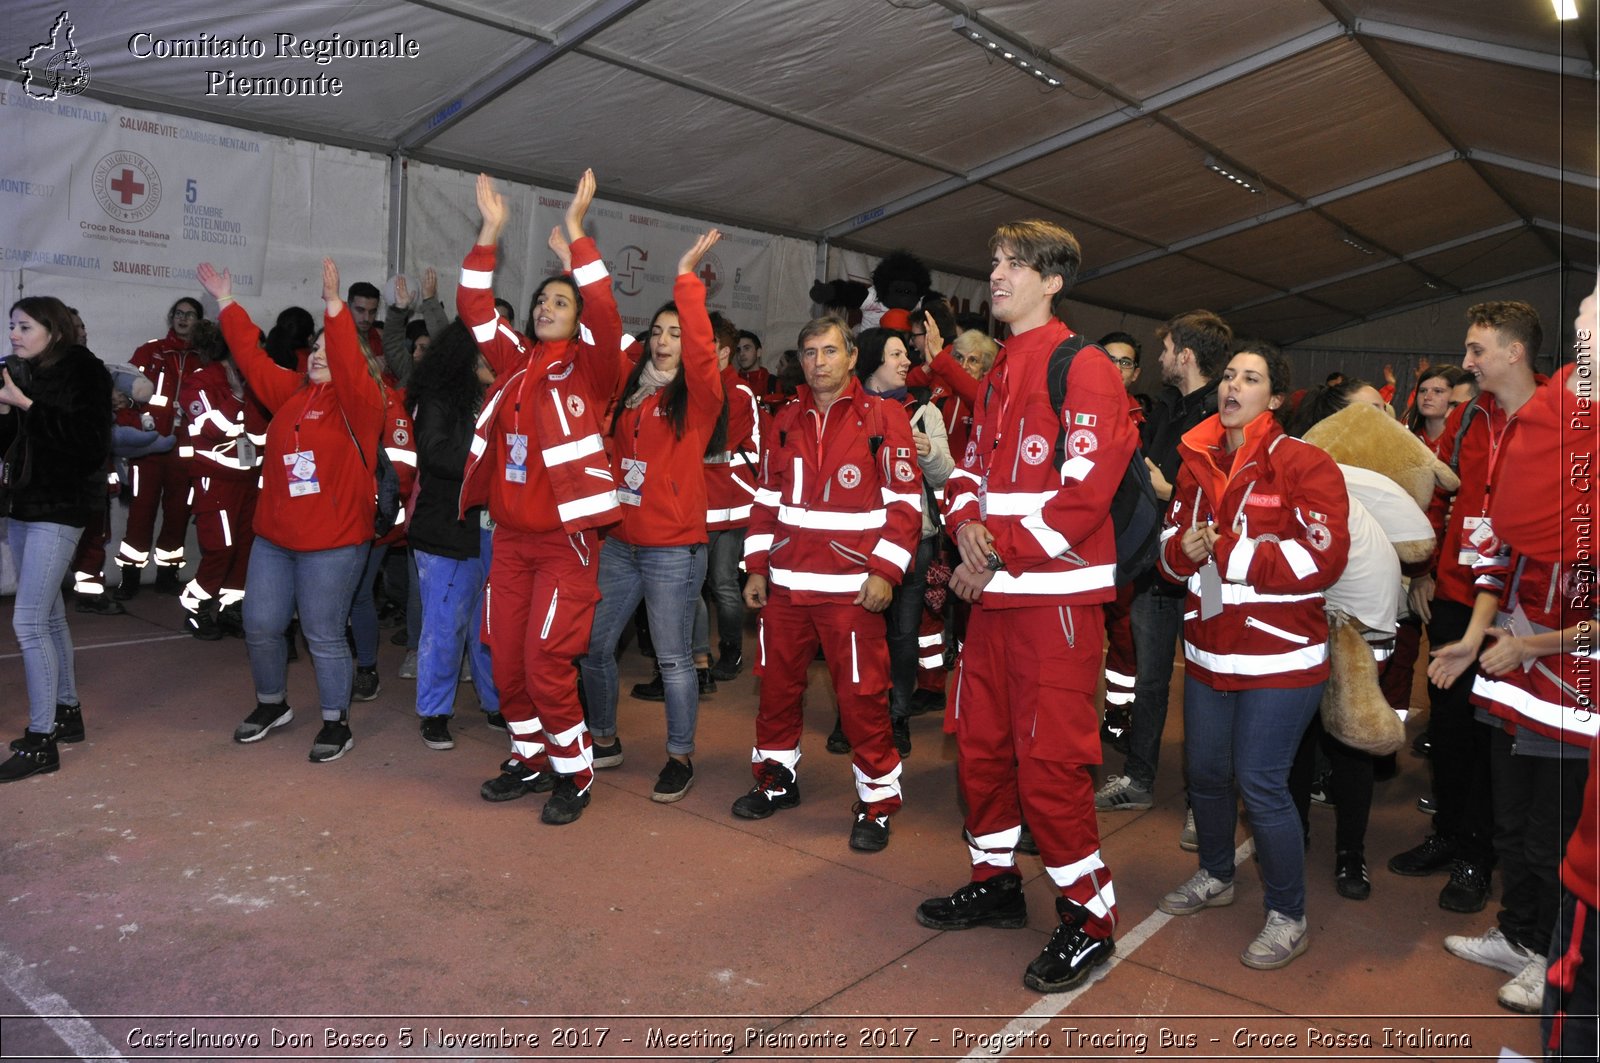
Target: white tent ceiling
1404,150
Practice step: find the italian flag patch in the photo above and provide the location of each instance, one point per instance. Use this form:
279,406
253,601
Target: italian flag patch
1085,420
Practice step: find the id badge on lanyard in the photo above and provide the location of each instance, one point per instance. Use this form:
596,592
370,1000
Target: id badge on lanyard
302,467
516,458
631,491
1477,535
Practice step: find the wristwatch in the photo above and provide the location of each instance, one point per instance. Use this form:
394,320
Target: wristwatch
995,564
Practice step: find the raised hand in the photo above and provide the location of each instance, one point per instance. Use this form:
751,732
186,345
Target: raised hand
563,250
330,286
492,207
579,207
691,258
935,340
430,283
218,285
402,293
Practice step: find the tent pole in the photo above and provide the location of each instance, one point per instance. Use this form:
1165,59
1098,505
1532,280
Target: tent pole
398,210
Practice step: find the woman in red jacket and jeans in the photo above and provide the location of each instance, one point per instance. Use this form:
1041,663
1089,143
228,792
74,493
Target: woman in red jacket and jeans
669,409
1257,528
314,515
539,463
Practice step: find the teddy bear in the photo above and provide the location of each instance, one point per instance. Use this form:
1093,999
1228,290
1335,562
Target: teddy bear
1391,476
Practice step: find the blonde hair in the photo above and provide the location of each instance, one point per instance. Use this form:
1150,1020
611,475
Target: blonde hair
974,342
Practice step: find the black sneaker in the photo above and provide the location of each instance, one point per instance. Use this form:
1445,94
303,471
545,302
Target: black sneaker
366,685
202,623
496,721
674,781
1468,888
926,701
729,664
516,780
436,732
1025,842
1114,727
101,603
1319,789
69,723
263,719
995,901
607,756
703,677
775,788
837,742
655,690
1434,854
902,735
32,754
566,803
167,581
1350,876
333,741
870,833
1422,745
1072,954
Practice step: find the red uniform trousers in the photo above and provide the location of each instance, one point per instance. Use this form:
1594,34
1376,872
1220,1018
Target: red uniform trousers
224,525
537,612
930,652
158,482
1121,664
1027,730
856,644
89,563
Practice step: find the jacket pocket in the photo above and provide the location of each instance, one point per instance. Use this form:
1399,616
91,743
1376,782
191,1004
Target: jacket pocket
1289,636
854,556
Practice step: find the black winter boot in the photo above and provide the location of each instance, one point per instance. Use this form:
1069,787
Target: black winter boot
32,754
128,588
69,723
202,623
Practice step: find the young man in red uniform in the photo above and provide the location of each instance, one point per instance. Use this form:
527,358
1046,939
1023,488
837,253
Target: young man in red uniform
836,519
160,482
1038,562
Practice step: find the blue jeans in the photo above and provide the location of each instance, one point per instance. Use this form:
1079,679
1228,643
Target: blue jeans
42,553
1157,621
668,579
1249,738
452,617
723,554
903,619
320,584
364,608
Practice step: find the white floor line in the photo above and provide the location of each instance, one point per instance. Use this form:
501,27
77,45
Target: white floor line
108,645
75,1031
1052,1006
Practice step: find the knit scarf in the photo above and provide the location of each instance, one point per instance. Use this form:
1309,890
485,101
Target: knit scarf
651,380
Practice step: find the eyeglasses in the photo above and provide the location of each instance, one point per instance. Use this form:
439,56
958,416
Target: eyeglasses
184,315
1125,363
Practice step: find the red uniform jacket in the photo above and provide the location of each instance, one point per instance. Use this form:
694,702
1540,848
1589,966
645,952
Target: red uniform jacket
1282,509
829,511
317,483
1051,528
731,475
227,435
166,361
538,454
400,443
660,479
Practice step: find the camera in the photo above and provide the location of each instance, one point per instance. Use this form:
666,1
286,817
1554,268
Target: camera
19,369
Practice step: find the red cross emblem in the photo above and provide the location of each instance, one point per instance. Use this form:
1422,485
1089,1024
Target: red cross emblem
849,476
126,186
1035,449
1083,442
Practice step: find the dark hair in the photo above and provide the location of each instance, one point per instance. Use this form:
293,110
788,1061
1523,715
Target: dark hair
1204,333
674,401
53,314
1450,374
1043,245
746,334
942,317
294,331
507,311
415,330
1321,403
1277,364
870,345
724,332
1124,338
564,278
972,321
448,376
1333,379
363,290
206,341
1515,320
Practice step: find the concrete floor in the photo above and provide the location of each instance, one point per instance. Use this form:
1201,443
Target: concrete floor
167,880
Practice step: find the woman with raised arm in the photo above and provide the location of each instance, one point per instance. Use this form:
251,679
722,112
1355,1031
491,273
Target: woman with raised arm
669,410
55,433
314,516
539,464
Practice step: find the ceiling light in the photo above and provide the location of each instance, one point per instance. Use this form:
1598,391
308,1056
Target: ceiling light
1566,10
1217,168
1359,247
1017,54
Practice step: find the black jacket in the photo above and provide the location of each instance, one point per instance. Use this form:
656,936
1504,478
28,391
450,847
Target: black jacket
60,461
444,441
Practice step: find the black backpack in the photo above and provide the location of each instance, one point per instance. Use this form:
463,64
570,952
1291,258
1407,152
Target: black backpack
386,485
1136,512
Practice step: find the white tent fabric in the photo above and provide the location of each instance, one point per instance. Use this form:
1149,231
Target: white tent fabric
1403,151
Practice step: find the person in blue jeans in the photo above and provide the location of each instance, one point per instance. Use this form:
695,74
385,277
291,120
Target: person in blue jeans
55,432
452,553
1258,528
670,413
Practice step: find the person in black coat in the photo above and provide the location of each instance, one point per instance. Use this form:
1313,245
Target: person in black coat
55,435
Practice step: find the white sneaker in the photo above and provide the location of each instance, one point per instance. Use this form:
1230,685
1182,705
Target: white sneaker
1525,992
408,667
1202,890
1279,942
1189,840
1121,794
1493,949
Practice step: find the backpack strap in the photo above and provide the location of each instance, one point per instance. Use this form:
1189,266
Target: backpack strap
1472,411
1056,371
